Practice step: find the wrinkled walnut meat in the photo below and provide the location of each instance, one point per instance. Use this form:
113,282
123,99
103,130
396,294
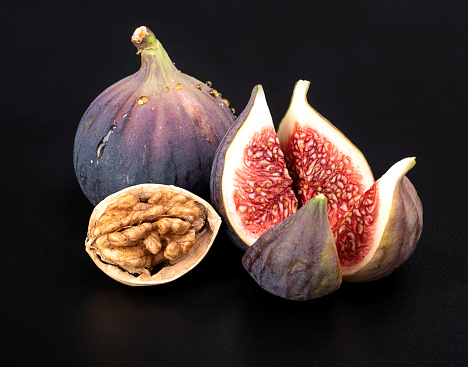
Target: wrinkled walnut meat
150,234
137,234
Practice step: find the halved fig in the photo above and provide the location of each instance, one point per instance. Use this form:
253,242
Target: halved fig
381,232
250,184
150,234
297,259
320,159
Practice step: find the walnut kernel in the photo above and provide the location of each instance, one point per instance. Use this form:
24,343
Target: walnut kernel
150,234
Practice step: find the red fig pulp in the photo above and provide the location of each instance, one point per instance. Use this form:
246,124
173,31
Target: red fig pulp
158,125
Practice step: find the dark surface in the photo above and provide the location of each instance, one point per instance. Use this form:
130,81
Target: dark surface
391,75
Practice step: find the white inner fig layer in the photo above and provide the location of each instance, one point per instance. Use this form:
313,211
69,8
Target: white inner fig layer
258,118
300,111
387,187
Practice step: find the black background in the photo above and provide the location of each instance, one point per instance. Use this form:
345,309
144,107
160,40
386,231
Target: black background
392,75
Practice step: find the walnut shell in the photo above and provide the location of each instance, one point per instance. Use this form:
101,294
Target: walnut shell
169,271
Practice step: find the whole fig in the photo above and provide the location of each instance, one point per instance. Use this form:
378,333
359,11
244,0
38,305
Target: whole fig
158,125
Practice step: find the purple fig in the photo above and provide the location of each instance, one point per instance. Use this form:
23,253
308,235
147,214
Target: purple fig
158,125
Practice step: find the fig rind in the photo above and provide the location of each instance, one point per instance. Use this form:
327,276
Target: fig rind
167,273
297,259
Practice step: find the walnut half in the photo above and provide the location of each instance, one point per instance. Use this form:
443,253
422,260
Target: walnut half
150,233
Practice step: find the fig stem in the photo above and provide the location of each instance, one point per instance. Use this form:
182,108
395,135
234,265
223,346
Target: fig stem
151,50
143,39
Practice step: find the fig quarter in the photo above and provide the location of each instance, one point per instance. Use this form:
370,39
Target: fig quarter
297,259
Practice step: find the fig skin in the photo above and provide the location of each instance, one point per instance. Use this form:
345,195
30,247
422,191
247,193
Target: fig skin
297,258
167,273
158,125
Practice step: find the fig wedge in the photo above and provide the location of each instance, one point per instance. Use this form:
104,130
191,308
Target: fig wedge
250,184
320,158
381,232
297,259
